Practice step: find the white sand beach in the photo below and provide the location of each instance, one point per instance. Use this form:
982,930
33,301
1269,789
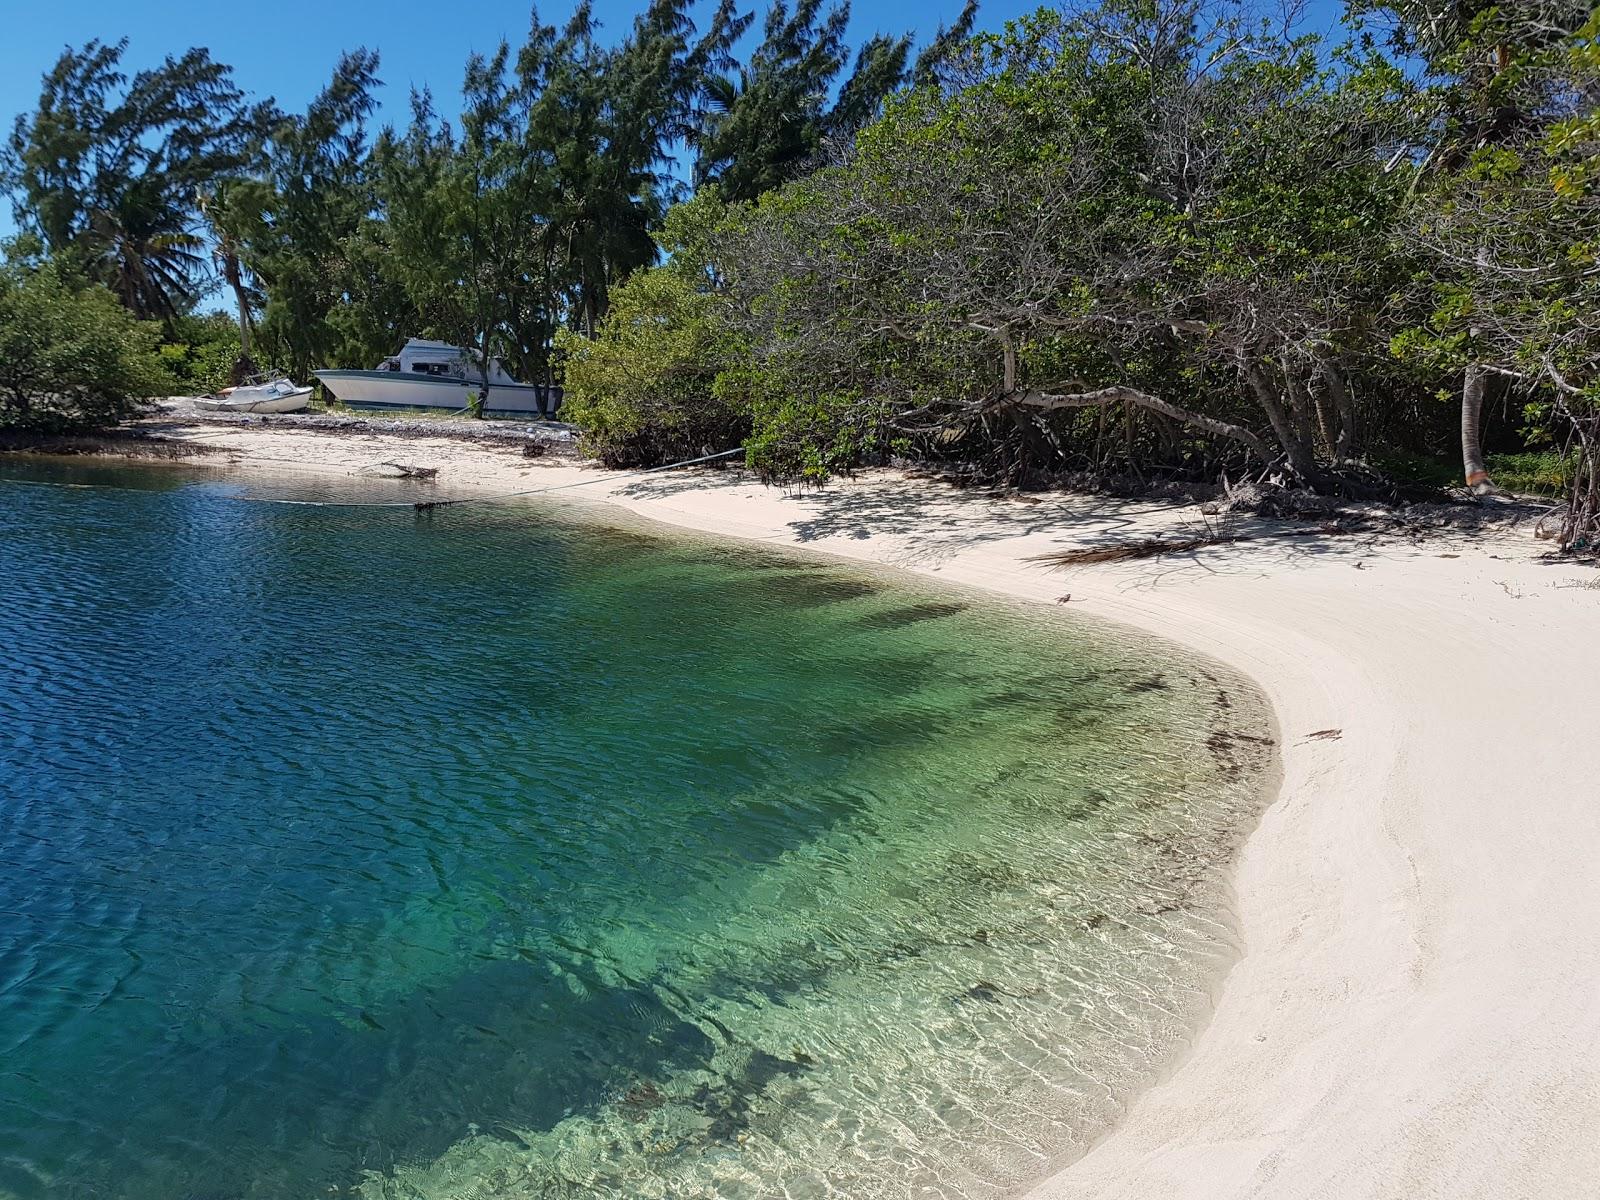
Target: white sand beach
1417,1010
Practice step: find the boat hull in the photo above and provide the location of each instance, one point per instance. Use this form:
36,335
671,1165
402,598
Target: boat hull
391,389
289,402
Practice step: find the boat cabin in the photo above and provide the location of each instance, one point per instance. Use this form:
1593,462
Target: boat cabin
443,361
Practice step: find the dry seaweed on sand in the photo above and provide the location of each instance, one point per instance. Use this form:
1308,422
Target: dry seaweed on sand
1123,551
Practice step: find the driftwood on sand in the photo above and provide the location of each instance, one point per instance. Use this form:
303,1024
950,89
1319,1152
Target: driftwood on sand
396,470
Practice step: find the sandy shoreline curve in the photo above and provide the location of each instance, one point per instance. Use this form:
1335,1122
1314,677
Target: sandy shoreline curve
1416,1013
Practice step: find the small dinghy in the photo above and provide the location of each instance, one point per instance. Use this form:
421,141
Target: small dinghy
275,396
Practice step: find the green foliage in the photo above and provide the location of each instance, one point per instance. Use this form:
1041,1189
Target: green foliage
294,226
71,356
334,245
199,354
771,121
1528,472
643,389
813,437
1534,472
1128,235
1108,201
946,45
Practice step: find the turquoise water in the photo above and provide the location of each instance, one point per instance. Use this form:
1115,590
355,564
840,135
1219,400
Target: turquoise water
504,852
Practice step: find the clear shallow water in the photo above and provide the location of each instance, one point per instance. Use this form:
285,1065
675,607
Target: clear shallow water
492,853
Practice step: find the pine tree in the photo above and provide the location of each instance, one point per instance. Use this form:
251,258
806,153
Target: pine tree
318,194
765,123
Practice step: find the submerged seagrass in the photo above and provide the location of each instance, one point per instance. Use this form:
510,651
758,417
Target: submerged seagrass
496,853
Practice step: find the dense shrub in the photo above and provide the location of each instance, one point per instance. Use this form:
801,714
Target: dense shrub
201,353
653,385
642,390
71,356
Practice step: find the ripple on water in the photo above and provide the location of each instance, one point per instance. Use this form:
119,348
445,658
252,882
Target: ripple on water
491,853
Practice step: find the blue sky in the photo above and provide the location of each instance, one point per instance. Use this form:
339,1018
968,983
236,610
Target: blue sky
287,48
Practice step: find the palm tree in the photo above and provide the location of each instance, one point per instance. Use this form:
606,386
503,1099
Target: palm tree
225,210
149,258
107,169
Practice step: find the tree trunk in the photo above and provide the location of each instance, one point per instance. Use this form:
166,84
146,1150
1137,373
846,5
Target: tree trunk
483,375
1325,434
1167,434
243,302
244,366
1473,389
1305,423
1344,405
1295,449
1034,444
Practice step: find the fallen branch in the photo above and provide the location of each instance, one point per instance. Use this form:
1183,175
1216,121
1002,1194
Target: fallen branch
1127,395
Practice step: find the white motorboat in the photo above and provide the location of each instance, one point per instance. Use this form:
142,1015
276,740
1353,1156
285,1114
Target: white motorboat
274,396
437,375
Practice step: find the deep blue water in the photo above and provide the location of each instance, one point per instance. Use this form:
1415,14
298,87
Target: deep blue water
498,852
